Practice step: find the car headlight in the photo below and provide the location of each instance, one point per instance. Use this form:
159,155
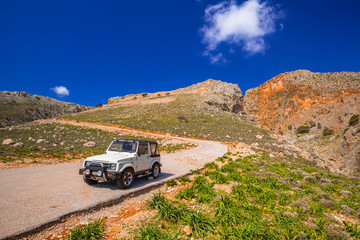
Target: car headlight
113,166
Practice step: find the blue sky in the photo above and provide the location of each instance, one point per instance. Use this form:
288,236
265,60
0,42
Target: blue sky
100,49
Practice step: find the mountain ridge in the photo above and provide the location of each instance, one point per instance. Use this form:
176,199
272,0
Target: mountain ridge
19,107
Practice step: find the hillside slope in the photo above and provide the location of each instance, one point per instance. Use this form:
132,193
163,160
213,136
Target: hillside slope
316,112
20,107
206,110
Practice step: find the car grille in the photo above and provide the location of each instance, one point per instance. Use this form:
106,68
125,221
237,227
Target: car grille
106,165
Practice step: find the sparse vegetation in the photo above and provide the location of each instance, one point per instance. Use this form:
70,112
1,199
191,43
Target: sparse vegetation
327,132
174,117
93,231
171,183
99,105
48,143
354,120
144,95
302,129
270,198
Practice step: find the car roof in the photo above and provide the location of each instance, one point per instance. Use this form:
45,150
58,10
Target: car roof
134,140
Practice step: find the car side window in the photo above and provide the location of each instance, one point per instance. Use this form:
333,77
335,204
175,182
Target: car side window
143,148
154,149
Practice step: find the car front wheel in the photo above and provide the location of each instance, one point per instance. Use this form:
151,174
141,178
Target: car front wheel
126,179
90,181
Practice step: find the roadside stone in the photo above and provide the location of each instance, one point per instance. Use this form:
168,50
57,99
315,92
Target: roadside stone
347,210
325,196
335,232
259,137
8,141
40,141
326,202
312,226
293,215
325,181
187,230
346,193
302,235
19,144
89,144
298,184
31,139
303,205
309,179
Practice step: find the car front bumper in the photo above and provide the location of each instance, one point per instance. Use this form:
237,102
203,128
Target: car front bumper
98,173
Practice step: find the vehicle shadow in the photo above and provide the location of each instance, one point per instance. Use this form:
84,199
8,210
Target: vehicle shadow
138,182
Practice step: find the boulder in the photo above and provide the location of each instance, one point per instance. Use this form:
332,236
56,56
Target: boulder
90,144
8,141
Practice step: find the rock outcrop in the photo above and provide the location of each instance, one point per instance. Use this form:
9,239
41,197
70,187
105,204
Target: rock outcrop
20,107
303,98
222,95
314,112
350,150
225,96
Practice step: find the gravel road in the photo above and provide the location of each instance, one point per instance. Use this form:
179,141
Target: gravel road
33,196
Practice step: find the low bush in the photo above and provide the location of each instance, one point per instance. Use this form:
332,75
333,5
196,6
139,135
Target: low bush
303,129
354,120
171,183
211,165
92,231
327,132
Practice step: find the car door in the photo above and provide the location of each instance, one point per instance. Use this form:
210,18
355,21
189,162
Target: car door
144,159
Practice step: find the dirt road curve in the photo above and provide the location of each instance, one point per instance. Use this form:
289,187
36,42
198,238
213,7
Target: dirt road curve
33,196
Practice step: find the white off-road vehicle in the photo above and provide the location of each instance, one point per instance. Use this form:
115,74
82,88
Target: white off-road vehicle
123,160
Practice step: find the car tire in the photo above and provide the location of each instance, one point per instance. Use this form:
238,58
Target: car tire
90,181
126,179
155,170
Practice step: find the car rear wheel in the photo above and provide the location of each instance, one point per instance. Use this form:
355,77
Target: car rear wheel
155,171
90,181
126,179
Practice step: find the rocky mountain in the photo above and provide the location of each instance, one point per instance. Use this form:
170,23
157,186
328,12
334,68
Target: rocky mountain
309,112
20,107
222,95
302,98
314,111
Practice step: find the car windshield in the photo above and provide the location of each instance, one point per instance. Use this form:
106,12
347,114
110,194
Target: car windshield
122,146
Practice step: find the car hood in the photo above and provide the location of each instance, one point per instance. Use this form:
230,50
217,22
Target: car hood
111,157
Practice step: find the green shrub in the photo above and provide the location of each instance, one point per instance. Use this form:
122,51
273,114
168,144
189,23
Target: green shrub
99,105
151,231
354,120
303,129
144,94
327,132
200,224
184,179
167,209
171,183
92,231
211,165
183,119
197,171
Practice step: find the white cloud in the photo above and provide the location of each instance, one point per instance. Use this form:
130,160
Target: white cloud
244,25
61,91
